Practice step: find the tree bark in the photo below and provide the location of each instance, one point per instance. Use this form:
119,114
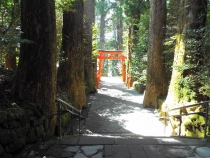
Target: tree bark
35,79
119,20
89,73
156,85
132,41
120,33
133,11
129,50
71,67
192,15
102,28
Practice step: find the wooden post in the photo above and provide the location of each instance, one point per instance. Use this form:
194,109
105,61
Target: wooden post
100,70
129,81
123,69
100,65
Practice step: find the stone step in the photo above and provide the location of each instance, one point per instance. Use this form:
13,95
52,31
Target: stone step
104,146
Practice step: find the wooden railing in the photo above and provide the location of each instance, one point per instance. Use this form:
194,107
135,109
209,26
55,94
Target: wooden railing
181,114
70,109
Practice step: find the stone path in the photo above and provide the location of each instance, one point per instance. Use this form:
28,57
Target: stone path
117,126
118,110
118,147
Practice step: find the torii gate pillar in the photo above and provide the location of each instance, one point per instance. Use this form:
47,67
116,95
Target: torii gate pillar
104,54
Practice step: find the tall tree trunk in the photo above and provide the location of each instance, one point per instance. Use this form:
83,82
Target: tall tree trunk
71,68
102,33
129,50
133,11
192,15
102,28
35,79
156,85
120,35
132,41
88,65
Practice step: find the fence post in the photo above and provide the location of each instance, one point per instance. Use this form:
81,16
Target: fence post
59,119
72,125
79,120
180,123
206,119
164,123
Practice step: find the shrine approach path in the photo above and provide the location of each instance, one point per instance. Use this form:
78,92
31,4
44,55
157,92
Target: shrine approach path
117,110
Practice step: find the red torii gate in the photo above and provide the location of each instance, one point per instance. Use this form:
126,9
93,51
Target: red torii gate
107,54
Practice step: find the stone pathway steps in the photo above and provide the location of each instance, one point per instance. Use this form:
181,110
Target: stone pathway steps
117,126
118,147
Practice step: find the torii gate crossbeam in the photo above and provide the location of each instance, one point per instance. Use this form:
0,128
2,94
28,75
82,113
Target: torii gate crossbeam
106,55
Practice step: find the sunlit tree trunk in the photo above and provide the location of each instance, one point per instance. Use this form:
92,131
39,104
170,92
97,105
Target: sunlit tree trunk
120,33
71,67
133,11
156,85
129,50
102,27
102,32
35,79
102,36
89,17
192,15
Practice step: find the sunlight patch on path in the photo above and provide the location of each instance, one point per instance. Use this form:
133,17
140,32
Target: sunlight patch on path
143,123
124,93
121,111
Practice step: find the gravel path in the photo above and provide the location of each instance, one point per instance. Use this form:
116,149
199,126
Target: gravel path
115,109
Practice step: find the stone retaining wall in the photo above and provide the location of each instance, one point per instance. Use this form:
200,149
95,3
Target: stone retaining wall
21,126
